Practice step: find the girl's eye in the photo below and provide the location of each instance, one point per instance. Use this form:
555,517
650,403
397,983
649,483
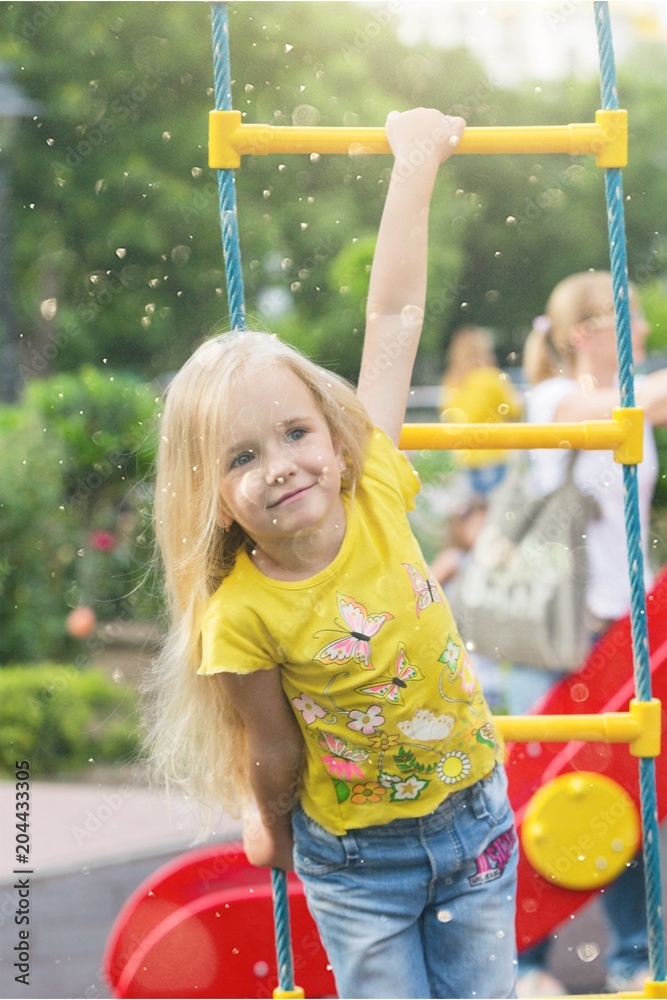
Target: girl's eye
242,460
295,434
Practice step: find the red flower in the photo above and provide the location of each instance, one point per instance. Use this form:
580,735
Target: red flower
103,541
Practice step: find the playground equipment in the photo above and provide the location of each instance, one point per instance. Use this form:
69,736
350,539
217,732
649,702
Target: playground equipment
202,926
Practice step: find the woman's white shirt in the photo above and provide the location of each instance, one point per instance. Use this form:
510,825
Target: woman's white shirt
598,474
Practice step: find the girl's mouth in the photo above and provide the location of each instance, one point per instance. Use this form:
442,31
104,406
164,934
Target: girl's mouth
291,497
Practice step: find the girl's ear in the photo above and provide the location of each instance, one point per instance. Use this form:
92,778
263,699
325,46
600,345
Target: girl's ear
340,458
578,335
224,519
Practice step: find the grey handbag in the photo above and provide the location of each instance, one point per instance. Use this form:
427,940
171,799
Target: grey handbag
521,596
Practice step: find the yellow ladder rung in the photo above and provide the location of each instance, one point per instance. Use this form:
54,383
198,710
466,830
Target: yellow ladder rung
230,139
640,727
623,435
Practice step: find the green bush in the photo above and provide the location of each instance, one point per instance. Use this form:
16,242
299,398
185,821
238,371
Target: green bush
37,540
74,525
59,719
103,421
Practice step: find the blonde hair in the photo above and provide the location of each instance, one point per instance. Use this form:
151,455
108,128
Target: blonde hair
584,297
195,740
470,347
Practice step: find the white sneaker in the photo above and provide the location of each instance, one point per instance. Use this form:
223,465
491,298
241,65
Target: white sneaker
539,983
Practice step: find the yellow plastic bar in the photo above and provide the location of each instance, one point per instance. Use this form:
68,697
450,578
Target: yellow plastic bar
230,139
640,728
623,435
653,990
296,994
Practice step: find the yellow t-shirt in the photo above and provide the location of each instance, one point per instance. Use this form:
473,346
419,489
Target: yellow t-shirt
484,396
391,712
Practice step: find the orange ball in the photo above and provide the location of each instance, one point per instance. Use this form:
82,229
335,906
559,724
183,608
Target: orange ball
81,622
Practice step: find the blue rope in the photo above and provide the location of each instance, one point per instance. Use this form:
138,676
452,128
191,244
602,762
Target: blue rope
640,644
226,186
234,278
282,930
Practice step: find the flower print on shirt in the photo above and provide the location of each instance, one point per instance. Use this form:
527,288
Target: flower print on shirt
425,588
360,627
458,670
366,722
389,685
427,727
342,761
453,767
410,789
368,793
485,734
309,709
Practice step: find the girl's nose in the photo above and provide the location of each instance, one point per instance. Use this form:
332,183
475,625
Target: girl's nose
279,467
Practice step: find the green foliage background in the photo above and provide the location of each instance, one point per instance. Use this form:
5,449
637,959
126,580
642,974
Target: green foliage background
59,718
117,244
74,456
117,268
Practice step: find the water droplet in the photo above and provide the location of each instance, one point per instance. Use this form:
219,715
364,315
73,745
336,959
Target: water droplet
412,316
579,692
588,951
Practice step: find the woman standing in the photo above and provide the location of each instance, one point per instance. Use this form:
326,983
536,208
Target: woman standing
571,364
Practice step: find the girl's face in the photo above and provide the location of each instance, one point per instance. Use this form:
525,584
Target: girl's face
600,332
280,469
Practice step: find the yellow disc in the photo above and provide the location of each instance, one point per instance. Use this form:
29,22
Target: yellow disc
580,830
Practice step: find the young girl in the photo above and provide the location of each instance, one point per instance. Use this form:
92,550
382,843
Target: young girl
313,668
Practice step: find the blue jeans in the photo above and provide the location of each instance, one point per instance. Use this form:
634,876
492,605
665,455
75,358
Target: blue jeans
485,478
418,907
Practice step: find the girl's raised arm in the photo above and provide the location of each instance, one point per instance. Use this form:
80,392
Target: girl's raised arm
420,140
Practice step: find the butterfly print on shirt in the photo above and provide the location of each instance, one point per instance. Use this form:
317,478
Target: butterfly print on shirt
360,627
425,589
390,686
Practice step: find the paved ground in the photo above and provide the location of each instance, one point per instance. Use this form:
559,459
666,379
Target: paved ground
95,843
92,845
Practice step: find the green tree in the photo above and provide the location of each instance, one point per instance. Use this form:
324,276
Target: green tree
118,253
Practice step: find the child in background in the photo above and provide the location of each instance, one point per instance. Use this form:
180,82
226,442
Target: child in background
475,391
313,672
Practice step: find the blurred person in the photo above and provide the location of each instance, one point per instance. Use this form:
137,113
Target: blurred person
475,390
571,365
463,528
